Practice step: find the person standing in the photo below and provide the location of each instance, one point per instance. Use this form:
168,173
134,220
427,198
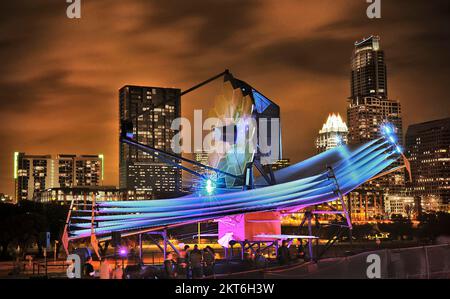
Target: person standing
195,260
260,260
170,267
301,251
105,269
118,272
89,271
183,263
293,252
283,253
208,261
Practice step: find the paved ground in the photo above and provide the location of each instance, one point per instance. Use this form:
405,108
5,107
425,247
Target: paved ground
153,257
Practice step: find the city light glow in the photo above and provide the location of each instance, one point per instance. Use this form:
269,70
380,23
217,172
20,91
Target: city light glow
16,164
102,158
210,187
388,131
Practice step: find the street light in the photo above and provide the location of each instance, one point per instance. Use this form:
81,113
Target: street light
123,252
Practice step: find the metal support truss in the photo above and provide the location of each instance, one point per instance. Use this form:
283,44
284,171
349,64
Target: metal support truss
166,242
338,192
268,176
250,245
307,217
94,241
224,73
327,209
65,234
167,158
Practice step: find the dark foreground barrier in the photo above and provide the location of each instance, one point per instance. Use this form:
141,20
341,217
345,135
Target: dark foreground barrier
416,262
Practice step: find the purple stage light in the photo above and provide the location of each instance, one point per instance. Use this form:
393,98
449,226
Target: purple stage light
123,252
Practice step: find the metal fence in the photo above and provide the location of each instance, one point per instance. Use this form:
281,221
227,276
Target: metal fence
414,263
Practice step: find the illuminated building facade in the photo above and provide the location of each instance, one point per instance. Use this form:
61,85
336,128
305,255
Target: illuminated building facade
79,171
151,110
197,182
280,164
4,198
89,193
32,175
368,108
333,133
83,194
400,205
201,157
35,173
368,77
428,150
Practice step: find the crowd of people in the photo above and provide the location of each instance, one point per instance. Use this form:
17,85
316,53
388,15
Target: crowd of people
194,263
106,271
189,263
289,252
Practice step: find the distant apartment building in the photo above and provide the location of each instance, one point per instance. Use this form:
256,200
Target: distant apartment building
333,133
280,164
82,194
400,205
368,108
428,150
151,110
33,174
79,171
89,193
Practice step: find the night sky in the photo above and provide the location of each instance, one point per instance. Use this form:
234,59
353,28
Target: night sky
59,77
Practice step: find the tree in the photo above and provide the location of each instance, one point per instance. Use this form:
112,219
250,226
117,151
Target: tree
22,224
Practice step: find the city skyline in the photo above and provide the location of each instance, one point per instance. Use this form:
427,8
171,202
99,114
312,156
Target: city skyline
57,88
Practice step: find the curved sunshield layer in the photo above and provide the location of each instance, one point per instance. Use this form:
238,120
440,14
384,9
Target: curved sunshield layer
303,184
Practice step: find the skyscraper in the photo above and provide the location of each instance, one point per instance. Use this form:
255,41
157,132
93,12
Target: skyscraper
428,150
369,105
368,108
79,171
333,133
32,175
368,70
151,110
